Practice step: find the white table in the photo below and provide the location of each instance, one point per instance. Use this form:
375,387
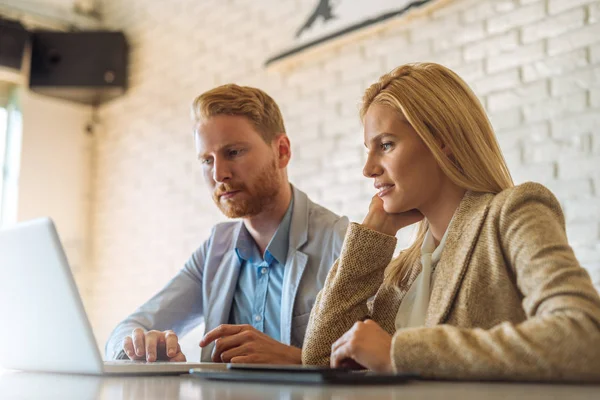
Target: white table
21,385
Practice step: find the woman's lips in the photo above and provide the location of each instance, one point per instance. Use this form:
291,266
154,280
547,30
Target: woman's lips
384,190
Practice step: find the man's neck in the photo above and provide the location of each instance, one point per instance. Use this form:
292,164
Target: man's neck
263,226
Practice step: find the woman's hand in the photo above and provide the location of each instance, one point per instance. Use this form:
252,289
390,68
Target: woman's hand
367,344
379,220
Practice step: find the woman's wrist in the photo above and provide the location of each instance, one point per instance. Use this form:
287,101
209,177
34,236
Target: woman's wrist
378,224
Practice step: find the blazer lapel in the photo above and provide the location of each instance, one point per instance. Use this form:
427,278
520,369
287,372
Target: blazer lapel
223,287
455,257
295,263
221,296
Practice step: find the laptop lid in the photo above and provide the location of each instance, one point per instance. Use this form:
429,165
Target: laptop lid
44,324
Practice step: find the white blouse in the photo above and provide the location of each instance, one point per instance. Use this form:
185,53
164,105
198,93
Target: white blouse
413,309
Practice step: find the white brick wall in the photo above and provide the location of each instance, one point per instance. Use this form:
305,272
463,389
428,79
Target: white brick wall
535,65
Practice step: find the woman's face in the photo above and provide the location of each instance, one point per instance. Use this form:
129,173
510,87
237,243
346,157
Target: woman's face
403,169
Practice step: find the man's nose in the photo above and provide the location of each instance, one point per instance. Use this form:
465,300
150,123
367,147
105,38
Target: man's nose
221,171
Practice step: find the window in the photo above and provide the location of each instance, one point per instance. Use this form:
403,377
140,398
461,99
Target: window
10,152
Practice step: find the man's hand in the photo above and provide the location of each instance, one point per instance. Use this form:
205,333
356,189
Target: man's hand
367,344
244,344
153,346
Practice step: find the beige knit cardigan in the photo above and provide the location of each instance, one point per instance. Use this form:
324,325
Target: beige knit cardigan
509,300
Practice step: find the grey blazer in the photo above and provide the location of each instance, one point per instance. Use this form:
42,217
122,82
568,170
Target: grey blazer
203,290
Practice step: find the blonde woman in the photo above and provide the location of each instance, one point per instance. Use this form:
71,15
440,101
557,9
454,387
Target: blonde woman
490,288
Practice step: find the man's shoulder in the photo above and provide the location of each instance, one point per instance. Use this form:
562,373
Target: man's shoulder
223,233
322,219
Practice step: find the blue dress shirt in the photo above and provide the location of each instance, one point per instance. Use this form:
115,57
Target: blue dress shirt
257,297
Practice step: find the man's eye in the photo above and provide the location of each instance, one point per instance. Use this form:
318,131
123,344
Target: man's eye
234,153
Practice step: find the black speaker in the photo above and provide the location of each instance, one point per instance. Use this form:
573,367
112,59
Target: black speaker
88,67
13,38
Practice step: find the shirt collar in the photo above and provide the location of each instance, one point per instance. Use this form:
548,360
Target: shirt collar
276,250
428,246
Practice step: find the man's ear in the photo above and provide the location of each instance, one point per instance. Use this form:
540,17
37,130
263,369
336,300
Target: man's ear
283,150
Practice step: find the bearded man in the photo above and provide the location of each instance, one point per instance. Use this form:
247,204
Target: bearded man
254,281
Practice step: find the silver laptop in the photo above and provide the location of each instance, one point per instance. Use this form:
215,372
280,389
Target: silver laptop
44,326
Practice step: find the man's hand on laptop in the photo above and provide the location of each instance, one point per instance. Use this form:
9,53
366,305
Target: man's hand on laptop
245,344
153,346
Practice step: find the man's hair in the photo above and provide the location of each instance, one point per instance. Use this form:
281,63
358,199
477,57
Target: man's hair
254,104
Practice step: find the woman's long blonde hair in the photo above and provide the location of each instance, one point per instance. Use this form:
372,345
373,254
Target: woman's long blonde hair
441,108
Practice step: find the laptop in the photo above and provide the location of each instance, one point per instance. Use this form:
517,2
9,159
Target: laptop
44,325
300,374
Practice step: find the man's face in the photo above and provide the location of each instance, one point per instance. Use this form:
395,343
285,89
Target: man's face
239,167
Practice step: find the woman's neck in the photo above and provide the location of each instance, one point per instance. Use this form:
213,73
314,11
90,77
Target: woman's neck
440,210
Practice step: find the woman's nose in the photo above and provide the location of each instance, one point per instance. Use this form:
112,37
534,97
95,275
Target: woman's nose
372,168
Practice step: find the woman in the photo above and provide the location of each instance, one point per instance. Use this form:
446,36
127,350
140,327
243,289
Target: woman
490,288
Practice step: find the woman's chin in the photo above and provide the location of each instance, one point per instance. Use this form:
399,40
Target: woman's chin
391,208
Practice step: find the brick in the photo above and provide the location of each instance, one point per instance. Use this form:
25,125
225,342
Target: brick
595,98
529,135
575,39
518,96
506,119
595,54
478,12
471,71
557,6
555,66
386,43
525,2
582,233
571,188
552,27
595,137
576,167
501,81
519,17
491,46
453,8
434,29
466,34
582,210
578,81
589,257
412,53
548,151
518,57
574,125
555,107
594,13
542,173
513,157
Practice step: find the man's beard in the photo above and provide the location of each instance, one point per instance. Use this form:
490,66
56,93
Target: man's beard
260,196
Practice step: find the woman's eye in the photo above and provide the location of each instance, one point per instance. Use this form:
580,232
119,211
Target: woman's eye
386,146
206,161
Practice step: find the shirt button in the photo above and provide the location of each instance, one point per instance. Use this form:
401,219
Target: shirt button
257,318
263,271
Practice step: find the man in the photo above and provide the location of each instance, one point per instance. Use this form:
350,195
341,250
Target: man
255,280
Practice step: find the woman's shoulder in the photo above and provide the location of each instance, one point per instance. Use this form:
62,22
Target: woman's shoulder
524,193
525,199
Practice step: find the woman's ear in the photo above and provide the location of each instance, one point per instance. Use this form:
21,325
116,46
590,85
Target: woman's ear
446,150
